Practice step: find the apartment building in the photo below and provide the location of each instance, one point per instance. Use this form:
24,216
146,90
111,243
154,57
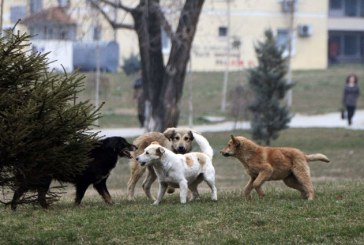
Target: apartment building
241,24
324,32
346,31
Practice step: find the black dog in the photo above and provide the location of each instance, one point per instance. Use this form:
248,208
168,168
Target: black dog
104,158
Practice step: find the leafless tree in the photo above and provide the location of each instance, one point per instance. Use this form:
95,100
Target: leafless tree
162,83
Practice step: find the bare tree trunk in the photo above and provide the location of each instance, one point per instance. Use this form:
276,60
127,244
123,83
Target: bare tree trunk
162,85
175,73
148,28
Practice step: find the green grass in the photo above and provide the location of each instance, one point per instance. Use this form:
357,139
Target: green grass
336,216
315,92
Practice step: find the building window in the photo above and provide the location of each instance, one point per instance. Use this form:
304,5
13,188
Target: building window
336,4
17,12
36,6
64,3
351,47
282,40
223,31
97,33
361,9
351,7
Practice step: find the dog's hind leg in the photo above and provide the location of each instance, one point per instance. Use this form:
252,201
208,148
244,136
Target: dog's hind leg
291,181
183,187
148,181
302,173
193,188
136,173
102,190
210,180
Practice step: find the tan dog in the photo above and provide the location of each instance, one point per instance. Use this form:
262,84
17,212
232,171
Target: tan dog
179,140
273,163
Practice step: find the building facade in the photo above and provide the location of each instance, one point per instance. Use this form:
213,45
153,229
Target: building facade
234,27
346,31
324,32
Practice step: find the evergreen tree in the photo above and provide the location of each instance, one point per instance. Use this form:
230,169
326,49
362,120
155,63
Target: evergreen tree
268,84
42,125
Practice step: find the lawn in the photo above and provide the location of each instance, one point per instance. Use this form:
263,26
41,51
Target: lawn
282,217
315,92
336,216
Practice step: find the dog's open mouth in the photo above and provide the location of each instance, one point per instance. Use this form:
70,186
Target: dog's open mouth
142,164
125,153
225,154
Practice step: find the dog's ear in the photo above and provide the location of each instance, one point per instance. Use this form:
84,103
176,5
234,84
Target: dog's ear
169,133
235,141
190,134
160,151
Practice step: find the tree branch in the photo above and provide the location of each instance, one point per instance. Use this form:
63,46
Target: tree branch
118,5
165,24
113,24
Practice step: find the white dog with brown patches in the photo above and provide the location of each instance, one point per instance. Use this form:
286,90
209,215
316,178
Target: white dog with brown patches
183,171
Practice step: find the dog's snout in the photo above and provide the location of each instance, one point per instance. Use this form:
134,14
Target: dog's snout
225,154
181,149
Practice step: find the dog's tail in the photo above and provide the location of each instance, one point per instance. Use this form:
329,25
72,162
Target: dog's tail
317,157
204,144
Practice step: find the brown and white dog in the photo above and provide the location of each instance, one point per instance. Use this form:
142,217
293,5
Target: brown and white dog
179,140
181,171
273,163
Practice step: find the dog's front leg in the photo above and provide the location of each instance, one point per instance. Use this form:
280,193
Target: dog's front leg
162,190
183,191
148,181
248,188
261,178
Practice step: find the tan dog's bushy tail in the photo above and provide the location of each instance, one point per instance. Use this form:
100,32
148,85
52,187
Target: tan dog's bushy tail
204,144
317,157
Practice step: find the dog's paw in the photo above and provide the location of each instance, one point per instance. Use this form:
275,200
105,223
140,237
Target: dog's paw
155,203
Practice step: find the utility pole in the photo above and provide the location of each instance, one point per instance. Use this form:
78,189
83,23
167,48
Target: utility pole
1,17
292,4
190,95
227,62
97,75
115,19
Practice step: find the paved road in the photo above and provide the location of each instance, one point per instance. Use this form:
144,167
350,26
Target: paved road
331,120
